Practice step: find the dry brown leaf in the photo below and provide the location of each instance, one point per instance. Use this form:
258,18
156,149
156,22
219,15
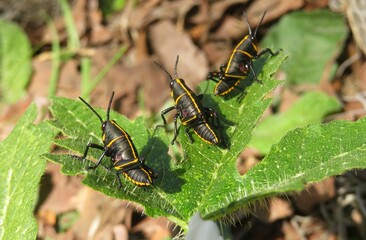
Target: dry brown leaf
275,8
39,83
79,16
147,12
313,4
200,15
312,228
120,232
231,28
168,42
217,53
154,229
218,8
56,196
277,208
127,81
69,80
289,232
141,48
154,84
11,114
361,77
98,213
57,191
315,194
99,33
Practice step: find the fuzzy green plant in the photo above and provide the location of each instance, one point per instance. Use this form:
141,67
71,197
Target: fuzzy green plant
207,181
313,40
15,64
20,172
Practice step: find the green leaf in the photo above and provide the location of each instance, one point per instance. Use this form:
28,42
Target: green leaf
15,61
77,122
312,40
311,108
303,156
110,6
20,173
180,189
207,180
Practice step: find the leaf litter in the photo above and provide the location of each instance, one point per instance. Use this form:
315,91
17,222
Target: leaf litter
159,30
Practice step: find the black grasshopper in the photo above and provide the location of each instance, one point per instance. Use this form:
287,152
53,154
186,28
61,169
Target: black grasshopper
190,111
117,145
239,64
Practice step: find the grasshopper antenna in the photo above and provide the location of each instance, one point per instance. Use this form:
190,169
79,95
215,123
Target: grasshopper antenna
91,108
109,105
260,22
